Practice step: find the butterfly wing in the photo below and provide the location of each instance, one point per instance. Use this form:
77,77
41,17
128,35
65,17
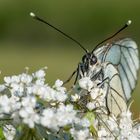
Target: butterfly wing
115,99
123,55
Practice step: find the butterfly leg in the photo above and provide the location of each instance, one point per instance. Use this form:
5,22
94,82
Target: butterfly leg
106,81
77,74
77,71
70,77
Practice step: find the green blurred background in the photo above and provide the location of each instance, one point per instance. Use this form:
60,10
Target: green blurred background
25,42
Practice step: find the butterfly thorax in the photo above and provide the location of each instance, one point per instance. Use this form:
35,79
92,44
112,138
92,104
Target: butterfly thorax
91,67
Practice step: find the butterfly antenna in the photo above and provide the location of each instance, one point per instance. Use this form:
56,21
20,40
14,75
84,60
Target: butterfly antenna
66,35
125,26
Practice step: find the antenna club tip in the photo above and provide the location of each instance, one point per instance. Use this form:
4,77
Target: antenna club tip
129,22
32,14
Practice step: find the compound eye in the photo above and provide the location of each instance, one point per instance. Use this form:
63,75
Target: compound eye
93,61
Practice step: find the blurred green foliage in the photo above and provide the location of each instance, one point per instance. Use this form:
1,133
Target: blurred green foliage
25,42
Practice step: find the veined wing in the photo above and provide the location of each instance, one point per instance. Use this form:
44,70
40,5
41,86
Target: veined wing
123,54
115,99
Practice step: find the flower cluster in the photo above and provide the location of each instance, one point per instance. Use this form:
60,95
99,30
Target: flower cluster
28,95
108,126
30,108
120,128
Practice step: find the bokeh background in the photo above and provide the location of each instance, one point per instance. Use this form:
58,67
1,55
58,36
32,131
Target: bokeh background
25,42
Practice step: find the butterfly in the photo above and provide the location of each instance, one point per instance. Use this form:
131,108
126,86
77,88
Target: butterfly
115,64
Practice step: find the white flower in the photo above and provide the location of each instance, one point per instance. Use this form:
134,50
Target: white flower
86,83
68,116
58,83
84,122
48,119
15,79
31,119
7,79
75,97
58,86
97,92
29,90
40,74
44,92
112,123
16,118
27,112
47,93
27,99
2,87
4,104
94,93
40,82
55,118
80,134
126,124
61,97
9,132
91,105
15,103
136,130
102,133
126,113
17,89
25,78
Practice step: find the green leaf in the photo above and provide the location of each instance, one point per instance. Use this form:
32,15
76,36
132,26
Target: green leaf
2,137
91,117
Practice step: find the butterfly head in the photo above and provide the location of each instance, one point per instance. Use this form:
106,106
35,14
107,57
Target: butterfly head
89,60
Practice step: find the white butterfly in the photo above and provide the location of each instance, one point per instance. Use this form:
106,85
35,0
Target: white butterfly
116,65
